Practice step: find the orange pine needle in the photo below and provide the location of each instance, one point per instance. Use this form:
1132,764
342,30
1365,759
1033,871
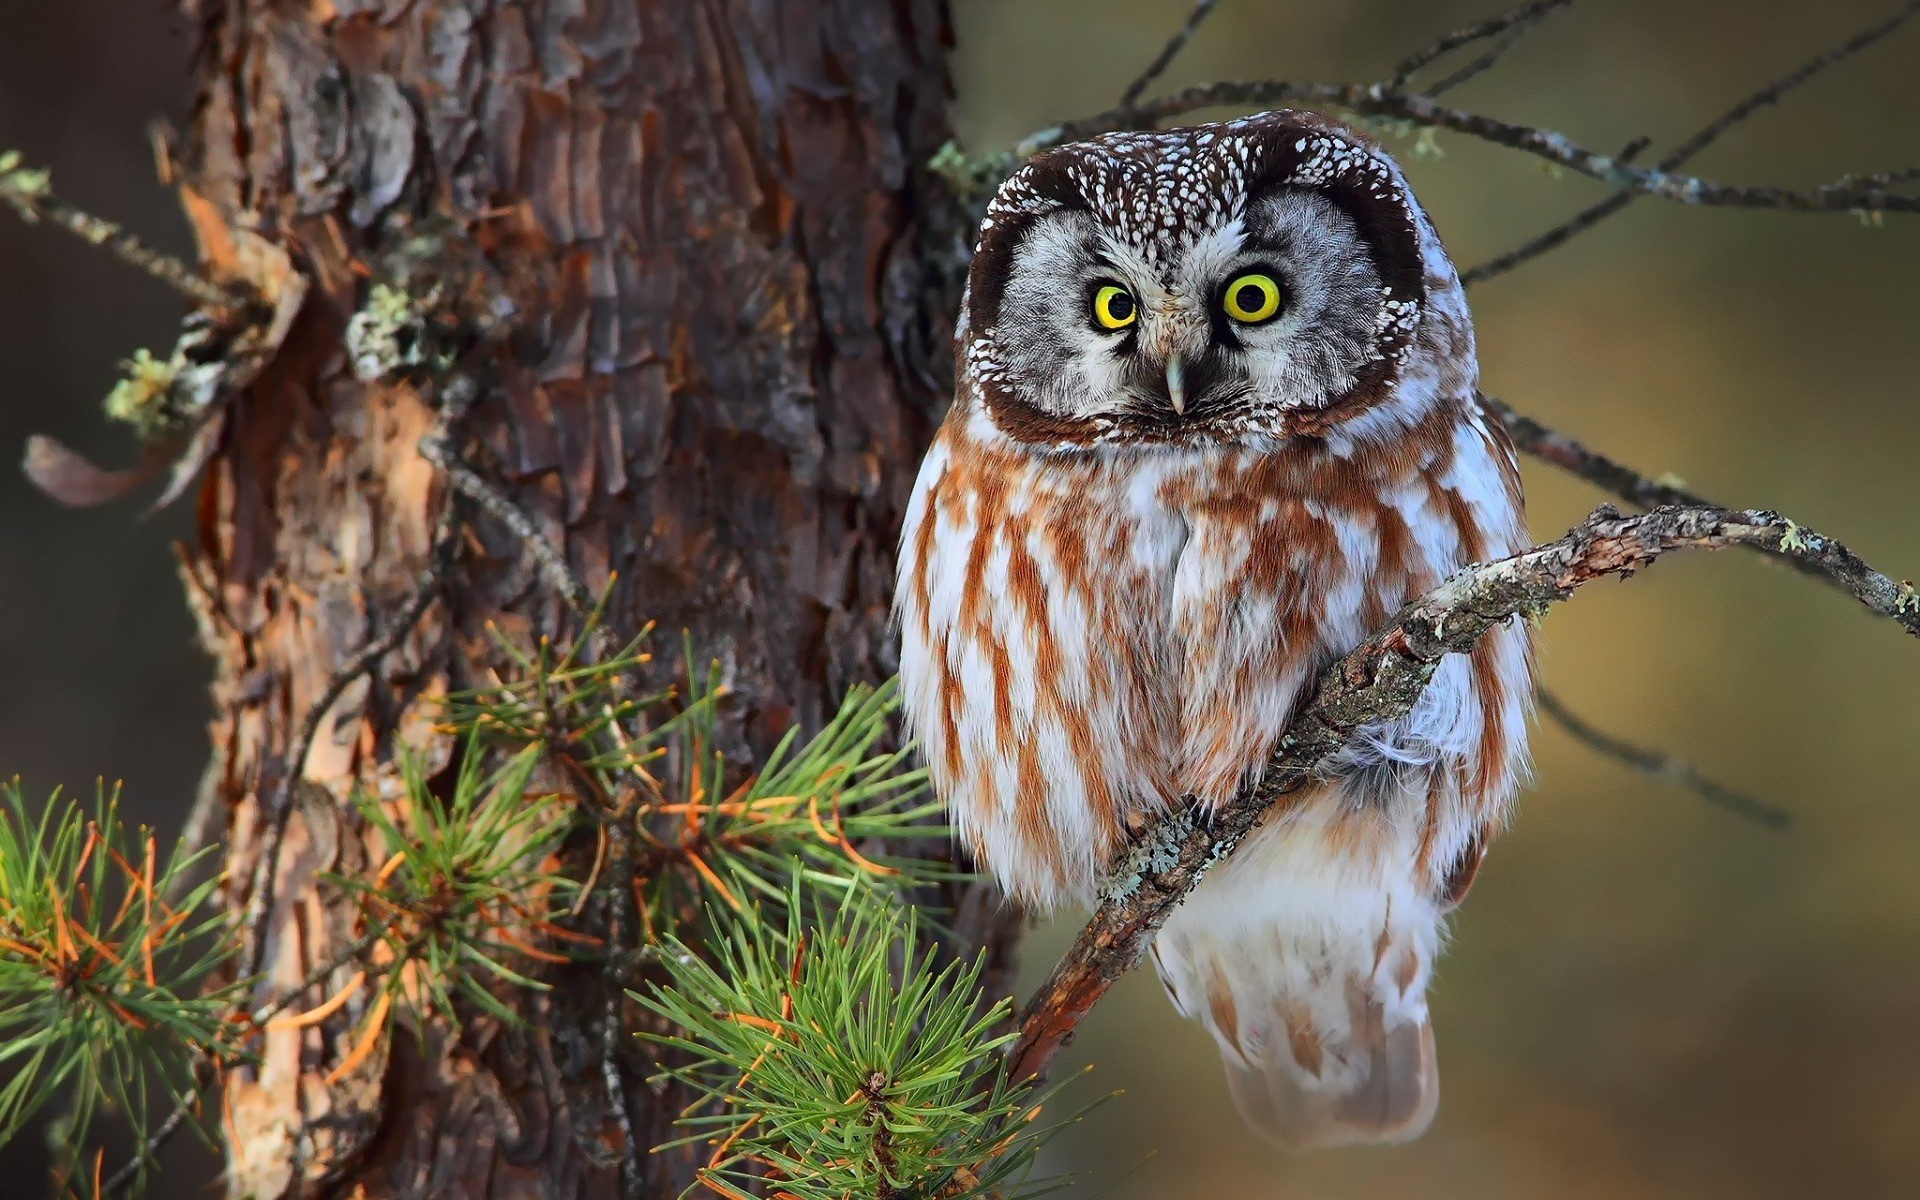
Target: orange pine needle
7,943
62,941
718,1186
866,863
387,870
706,872
376,1021
742,1127
565,934
146,917
321,1012
513,943
749,1019
98,946
813,815
593,876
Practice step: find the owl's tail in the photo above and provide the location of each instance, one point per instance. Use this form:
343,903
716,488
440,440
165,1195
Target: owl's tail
1311,974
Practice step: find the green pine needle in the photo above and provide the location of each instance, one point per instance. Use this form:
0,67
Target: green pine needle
467,884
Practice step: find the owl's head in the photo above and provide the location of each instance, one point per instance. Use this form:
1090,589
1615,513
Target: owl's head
1267,277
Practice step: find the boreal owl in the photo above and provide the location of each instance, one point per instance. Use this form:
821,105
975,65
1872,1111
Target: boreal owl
1216,421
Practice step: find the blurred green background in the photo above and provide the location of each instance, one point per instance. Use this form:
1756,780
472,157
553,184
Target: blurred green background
1645,997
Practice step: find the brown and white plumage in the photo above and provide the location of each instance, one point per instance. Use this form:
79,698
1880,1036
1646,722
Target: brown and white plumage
1132,547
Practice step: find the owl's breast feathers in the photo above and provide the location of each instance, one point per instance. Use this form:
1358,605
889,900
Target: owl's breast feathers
1090,637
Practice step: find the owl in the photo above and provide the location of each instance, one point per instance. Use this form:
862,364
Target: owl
1215,422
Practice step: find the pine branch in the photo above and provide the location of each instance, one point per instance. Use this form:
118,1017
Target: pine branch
104,953
836,1057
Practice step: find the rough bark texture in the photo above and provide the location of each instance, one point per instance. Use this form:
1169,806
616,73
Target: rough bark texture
720,375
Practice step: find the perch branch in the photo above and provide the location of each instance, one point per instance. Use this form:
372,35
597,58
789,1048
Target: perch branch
1376,684
1659,764
1766,96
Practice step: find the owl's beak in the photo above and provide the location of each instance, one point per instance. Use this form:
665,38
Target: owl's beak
1176,384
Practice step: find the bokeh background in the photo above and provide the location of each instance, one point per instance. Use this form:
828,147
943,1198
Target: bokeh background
1645,997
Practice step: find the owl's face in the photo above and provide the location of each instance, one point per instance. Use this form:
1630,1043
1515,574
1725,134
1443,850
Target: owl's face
1258,279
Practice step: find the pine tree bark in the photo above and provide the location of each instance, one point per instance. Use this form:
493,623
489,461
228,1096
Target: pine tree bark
726,352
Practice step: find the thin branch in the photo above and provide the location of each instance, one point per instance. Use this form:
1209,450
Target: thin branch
1371,99
30,193
1838,567
184,1104
1514,24
437,449
1168,53
1704,137
1376,684
1660,765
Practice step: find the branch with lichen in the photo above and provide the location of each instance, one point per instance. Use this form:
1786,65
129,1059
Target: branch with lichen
1375,685
29,192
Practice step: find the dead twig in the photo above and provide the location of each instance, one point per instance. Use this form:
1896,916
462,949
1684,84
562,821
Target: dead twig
1659,764
1766,96
1168,52
30,193
1376,684
1513,24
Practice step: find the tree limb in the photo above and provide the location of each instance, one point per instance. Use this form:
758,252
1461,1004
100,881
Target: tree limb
1376,684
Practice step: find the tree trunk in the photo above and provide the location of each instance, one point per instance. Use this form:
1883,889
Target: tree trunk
725,357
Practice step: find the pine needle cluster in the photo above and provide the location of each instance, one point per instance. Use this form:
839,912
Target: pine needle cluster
102,977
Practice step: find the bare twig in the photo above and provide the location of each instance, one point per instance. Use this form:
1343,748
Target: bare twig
184,1104
1513,24
1659,764
437,449
1847,195
1376,684
1168,52
1706,136
30,193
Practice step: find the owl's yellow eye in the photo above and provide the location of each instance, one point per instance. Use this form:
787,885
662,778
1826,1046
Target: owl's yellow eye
1113,307
1252,298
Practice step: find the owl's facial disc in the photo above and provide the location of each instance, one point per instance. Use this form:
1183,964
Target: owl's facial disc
1215,336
